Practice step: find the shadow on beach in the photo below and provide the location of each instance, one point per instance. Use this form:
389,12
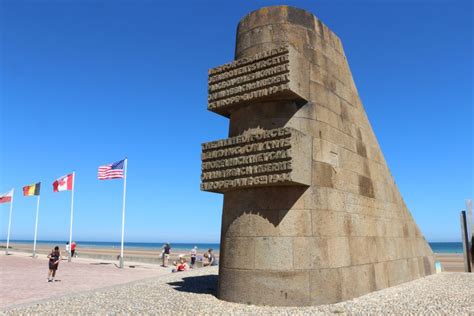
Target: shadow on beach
206,284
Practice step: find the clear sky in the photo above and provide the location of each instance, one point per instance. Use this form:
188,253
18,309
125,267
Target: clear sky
84,83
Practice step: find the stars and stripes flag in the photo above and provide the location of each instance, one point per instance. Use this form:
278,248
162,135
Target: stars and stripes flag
64,183
111,171
117,170
6,197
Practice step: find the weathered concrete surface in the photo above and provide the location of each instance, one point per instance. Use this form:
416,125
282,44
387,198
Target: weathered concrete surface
345,233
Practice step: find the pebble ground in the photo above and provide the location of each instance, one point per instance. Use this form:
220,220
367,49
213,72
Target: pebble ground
193,293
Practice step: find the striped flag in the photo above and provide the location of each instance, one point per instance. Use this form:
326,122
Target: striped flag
6,197
111,171
64,183
33,189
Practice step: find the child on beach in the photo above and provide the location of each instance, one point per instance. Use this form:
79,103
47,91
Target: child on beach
54,258
180,265
193,256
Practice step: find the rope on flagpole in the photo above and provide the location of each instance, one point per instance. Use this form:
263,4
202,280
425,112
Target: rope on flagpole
72,214
121,264
36,226
9,222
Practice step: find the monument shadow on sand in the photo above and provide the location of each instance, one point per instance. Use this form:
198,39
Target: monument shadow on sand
205,284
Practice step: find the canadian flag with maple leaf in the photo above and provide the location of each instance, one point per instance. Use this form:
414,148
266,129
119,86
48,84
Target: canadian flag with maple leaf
64,183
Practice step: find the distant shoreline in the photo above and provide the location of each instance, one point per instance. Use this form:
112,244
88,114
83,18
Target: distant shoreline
145,255
112,246
437,247
115,245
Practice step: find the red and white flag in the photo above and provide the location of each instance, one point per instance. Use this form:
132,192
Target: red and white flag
6,197
63,184
111,171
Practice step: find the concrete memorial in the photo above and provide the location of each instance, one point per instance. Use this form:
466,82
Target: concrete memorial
311,212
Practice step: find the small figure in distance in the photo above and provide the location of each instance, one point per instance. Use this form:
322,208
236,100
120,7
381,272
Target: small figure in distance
205,260
54,258
67,248
73,249
165,254
180,265
193,256
211,259
118,259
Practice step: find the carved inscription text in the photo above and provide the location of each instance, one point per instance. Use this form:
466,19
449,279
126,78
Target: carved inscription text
247,79
249,160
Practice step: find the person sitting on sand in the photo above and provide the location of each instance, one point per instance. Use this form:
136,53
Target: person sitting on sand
180,265
54,258
205,260
211,259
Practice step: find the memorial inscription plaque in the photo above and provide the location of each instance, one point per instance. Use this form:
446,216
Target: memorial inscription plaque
274,157
311,213
270,75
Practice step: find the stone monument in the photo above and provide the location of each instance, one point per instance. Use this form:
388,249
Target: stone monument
311,212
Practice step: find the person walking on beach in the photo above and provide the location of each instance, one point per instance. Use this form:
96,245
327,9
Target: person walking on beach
54,258
73,249
193,256
165,254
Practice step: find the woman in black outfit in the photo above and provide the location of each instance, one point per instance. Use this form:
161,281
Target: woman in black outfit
54,258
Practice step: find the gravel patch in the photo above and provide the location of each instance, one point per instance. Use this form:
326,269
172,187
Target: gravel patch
193,293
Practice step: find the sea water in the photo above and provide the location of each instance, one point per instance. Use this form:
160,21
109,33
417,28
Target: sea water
446,247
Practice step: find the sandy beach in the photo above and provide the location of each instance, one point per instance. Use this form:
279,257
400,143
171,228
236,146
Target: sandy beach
451,262
144,255
90,286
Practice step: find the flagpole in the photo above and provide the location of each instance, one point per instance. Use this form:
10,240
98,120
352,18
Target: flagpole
36,226
9,222
123,210
72,214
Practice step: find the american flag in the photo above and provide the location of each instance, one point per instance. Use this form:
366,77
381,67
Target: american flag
111,171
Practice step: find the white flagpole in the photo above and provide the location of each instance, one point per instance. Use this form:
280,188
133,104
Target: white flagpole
123,209
72,214
9,222
36,226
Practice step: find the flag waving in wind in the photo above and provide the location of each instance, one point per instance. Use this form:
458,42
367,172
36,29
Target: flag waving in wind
64,183
117,170
33,189
111,171
6,197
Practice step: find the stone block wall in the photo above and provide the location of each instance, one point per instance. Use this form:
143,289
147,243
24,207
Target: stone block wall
334,226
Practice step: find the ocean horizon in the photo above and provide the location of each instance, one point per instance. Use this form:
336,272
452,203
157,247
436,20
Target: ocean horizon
114,244
437,247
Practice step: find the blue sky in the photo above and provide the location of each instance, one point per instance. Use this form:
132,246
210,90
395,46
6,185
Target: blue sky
83,83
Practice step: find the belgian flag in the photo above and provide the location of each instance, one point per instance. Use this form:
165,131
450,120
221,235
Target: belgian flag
33,189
